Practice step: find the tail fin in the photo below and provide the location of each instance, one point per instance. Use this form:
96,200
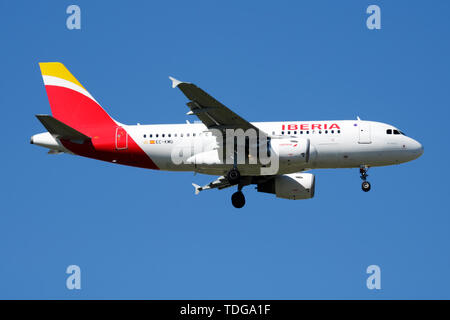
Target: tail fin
70,102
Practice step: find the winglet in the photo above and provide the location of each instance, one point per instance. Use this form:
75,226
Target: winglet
197,188
175,82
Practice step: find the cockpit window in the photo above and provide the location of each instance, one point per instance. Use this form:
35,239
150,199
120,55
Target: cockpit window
394,131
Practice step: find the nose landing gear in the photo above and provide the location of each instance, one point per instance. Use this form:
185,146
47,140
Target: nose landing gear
366,184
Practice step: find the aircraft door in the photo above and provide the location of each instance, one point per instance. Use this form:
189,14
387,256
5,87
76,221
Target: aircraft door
364,132
121,139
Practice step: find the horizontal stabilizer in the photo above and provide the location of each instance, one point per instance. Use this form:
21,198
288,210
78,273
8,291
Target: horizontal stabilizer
61,130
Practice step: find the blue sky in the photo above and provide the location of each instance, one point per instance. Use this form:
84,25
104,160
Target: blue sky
139,234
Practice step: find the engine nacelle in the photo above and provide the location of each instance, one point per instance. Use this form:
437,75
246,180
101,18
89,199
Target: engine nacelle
291,151
294,186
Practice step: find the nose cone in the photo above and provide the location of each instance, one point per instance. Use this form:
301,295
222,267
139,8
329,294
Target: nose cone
416,148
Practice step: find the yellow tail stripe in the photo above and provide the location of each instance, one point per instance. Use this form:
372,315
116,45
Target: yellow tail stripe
58,70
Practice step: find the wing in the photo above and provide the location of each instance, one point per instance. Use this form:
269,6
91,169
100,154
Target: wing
220,183
211,112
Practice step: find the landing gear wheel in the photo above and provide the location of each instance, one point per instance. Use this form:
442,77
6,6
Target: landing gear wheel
233,176
365,186
238,199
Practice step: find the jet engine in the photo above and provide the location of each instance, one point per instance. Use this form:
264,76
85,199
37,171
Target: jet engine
294,186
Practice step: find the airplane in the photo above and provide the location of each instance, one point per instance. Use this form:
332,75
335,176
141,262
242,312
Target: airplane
78,125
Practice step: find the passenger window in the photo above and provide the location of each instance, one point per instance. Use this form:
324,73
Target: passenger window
150,135
187,134
144,135
193,134
181,135
282,132
295,132
389,131
301,132
339,131
175,135
307,132
326,131
163,135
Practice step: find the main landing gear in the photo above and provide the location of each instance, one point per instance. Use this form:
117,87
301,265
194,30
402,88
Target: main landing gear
233,176
366,184
238,198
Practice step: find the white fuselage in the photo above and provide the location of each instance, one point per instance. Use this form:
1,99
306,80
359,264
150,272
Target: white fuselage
346,144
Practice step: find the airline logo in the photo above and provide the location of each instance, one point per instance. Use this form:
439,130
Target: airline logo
70,102
55,74
310,126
